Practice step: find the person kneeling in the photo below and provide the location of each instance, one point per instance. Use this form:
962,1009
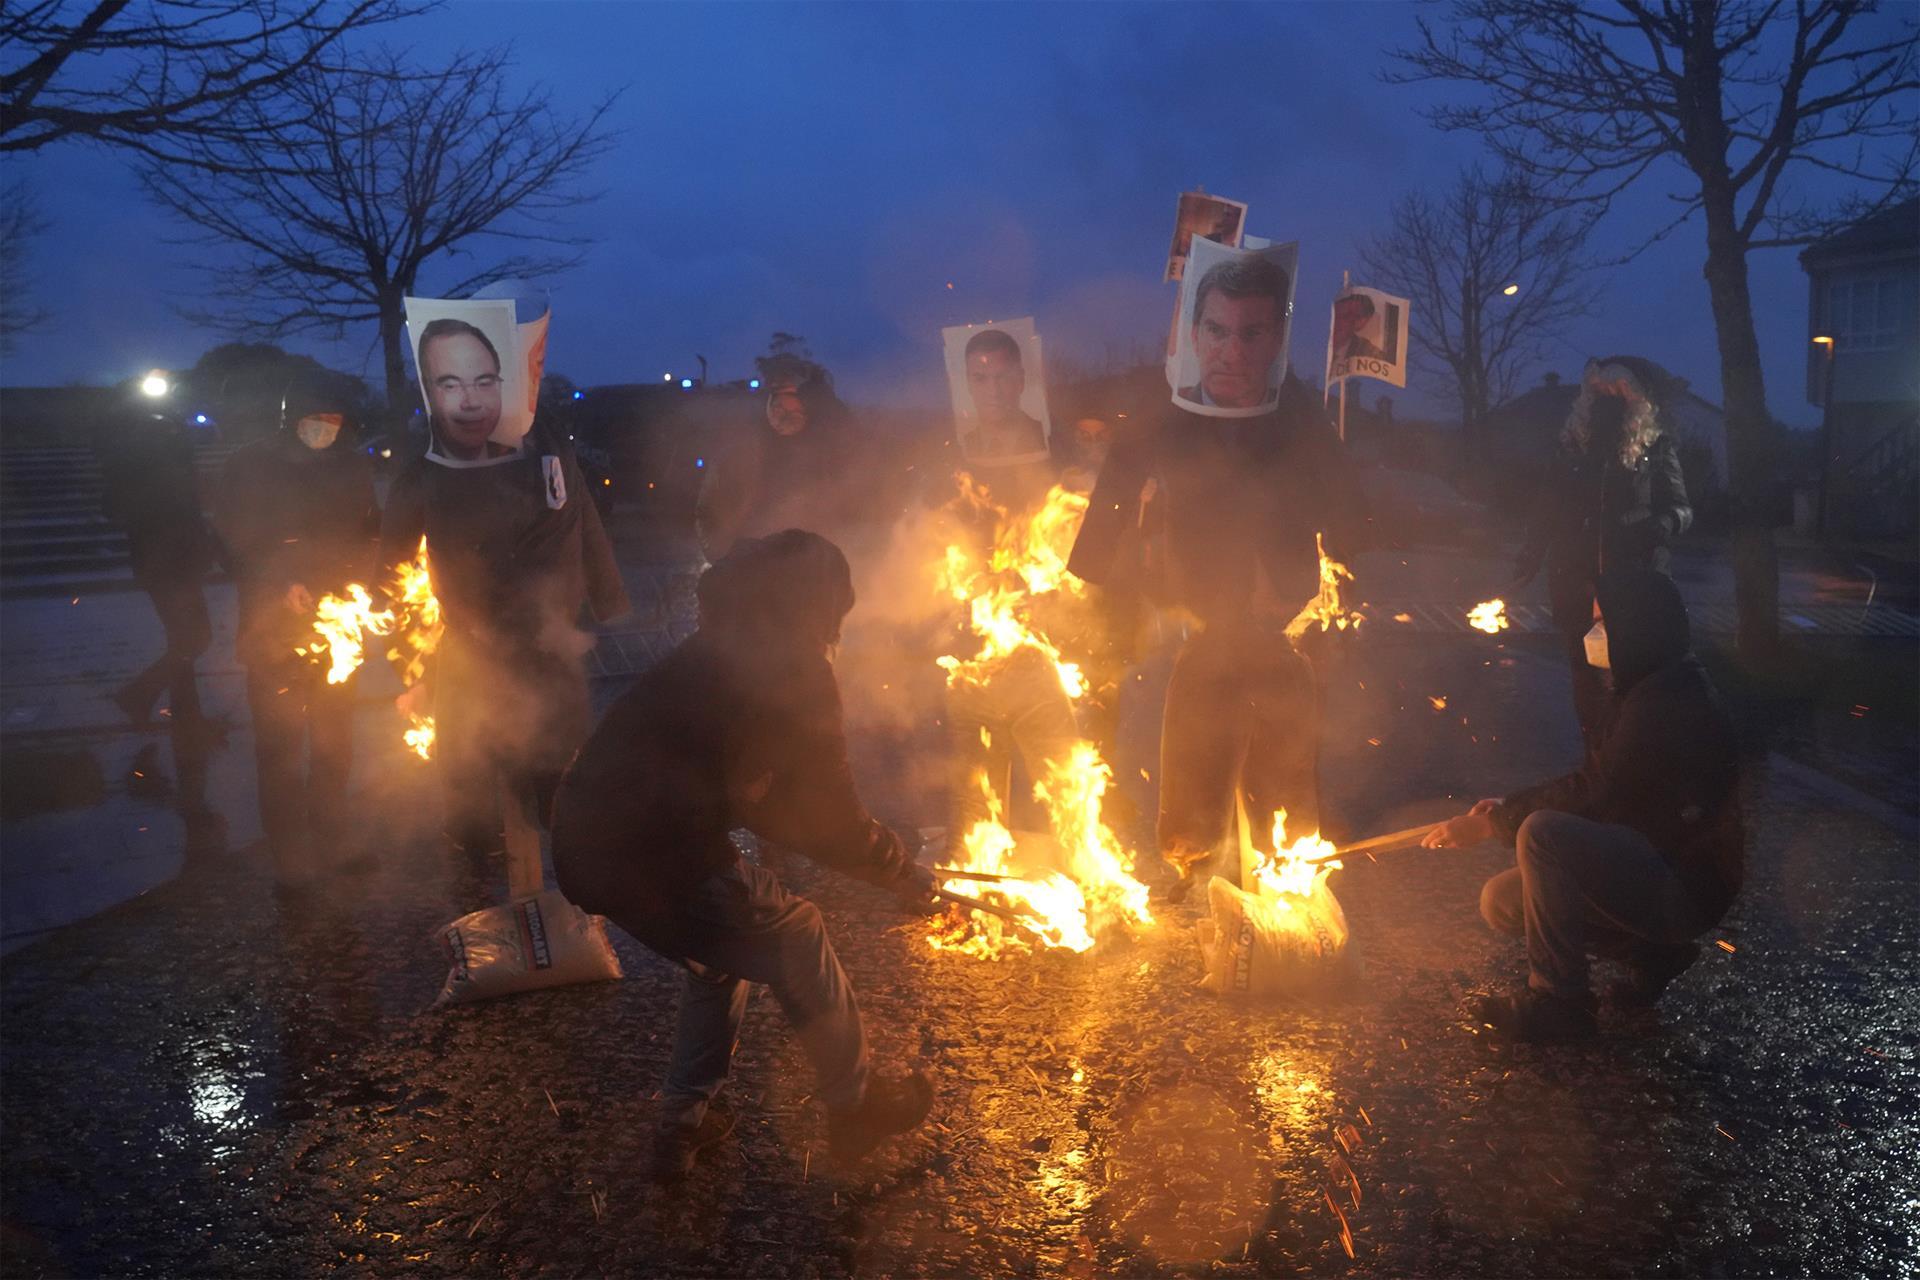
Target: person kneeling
740,726
1638,853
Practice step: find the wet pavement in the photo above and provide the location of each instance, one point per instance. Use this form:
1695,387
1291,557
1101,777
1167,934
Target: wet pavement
216,1079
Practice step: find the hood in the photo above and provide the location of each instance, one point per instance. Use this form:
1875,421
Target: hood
1623,396
1647,626
789,589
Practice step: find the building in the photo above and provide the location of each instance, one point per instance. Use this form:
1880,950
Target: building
1863,371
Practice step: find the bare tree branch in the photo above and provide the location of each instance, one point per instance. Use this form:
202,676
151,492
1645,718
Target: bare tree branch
1453,259
327,221
20,221
156,78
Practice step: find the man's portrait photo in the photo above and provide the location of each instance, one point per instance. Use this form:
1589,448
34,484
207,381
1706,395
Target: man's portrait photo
1234,327
474,376
1368,337
998,391
1209,218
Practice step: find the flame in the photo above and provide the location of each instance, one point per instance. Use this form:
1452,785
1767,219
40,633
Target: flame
414,619
1094,884
1292,870
419,736
1325,608
1489,616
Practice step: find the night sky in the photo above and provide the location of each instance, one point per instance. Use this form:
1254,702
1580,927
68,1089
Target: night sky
829,170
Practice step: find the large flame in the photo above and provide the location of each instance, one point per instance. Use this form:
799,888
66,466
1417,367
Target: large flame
1489,616
1064,905
342,621
1326,609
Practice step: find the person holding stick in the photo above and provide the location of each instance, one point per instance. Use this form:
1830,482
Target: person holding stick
1636,854
740,726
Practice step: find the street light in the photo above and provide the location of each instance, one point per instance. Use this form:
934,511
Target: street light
155,385
1511,289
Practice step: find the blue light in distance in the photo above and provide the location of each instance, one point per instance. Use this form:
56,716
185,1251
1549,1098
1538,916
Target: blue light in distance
753,384
686,384
699,462
579,395
199,419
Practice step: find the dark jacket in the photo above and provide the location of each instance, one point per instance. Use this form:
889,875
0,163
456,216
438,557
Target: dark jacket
1666,763
820,479
149,487
510,557
1220,500
740,726
1596,514
288,515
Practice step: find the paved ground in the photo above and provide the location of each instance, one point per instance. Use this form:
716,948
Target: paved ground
211,1079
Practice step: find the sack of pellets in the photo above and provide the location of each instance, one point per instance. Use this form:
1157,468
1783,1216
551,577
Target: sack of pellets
542,941
1259,944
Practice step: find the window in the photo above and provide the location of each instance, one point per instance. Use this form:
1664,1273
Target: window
1871,310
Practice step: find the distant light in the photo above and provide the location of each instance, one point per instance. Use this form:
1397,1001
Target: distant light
686,384
579,395
753,384
607,483
949,284
699,462
386,453
1822,340
666,377
199,419
1511,289
155,385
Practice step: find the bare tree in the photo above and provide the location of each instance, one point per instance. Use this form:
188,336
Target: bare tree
20,221
1456,258
387,169
165,74
1739,96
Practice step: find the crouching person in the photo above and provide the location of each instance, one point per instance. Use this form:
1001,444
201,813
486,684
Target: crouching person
1640,852
740,727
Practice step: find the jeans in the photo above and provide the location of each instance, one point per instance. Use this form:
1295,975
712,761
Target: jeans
1586,887
739,926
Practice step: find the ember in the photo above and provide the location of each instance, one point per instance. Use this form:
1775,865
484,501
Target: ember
1489,616
1325,608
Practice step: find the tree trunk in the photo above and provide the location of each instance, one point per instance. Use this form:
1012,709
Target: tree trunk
1750,463
400,390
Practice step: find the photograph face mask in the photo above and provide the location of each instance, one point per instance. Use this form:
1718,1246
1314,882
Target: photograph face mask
1596,646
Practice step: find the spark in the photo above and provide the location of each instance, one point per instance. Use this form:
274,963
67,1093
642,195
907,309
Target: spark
1439,703
1725,946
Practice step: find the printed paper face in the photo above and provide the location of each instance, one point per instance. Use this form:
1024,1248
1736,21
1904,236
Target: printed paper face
998,385
1368,338
1207,217
1231,334
479,372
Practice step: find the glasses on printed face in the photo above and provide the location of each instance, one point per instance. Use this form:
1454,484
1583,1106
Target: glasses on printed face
486,383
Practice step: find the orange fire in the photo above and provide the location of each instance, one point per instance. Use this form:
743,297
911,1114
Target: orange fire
1076,879
341,622
1326,609
1489,616
1292,870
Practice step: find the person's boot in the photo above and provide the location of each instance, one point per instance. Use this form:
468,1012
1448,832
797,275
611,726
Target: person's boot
677,1147
1536,1017
893,1104
1650,971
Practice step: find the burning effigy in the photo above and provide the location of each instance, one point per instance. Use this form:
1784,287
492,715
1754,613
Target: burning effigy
1064,886
411,616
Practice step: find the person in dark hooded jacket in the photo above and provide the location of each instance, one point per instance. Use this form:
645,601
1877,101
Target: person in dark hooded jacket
297,513
806,467
740,726
1616,498
1640,851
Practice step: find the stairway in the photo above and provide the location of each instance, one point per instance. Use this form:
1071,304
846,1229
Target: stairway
53,538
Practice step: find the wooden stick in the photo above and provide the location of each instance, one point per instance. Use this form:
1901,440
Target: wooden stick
992,909
960,873
1391,840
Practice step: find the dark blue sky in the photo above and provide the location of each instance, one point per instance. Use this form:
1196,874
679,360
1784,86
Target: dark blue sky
828,170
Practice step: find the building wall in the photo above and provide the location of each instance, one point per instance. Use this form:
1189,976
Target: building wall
1871,310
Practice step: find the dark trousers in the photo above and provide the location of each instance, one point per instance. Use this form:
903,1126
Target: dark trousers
740,926
1590,692
302,751
182,609
1242,716
1585,888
